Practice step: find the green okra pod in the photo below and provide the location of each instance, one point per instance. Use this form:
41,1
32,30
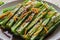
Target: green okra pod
19,22
16,25
50,30
48,17
8,9
15,9
19,13
40,15
51,26
34,21
6,12
12,13
20,29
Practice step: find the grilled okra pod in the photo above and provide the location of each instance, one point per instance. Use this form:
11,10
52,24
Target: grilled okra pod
6,12
11,14
54,21
28,36
51,29
8,9
20,21
42,8
14,11
47,19
35,21
27,21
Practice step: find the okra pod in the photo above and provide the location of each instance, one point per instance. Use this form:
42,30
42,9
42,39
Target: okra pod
50,26
34,27
28,36
50,30
19,13
13,28
8,9
47,19
53,20
25,23
35,21
9,24
20,29
12,13
19,22
16,9
39,29
33,30
6,12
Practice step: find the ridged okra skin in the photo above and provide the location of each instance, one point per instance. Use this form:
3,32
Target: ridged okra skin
27,21
10,15
44,23
17,16
21,20
32,20
36,20
21,29
5,12
45,29
54,22
29,34
8,9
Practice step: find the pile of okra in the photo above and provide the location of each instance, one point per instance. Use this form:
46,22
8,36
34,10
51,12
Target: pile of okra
32,20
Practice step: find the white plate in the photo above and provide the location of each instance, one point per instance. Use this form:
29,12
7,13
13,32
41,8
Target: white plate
55,35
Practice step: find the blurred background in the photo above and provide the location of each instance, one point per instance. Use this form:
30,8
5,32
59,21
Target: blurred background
56,2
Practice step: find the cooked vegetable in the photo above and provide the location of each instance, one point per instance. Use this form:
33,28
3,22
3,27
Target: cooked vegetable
11,14
51,26
11,8
51,30
35,21
1,3
16,9
44,23
8,9
19,22
28,35
32,20
28,20
18,15
22,28
5,14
